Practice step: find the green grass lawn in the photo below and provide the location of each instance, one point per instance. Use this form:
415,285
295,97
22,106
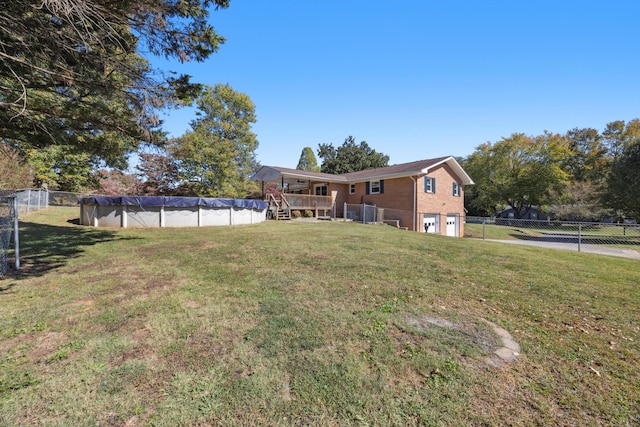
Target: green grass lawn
298,323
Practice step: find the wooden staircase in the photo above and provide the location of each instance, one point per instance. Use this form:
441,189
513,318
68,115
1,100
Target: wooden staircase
278,209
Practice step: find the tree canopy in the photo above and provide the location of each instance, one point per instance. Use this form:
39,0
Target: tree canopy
14,172
518,171
217,157
350,157
308,161
72,72
623,185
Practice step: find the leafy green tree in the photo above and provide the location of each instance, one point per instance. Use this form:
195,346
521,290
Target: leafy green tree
350,157
72,74
623,189
217,157
308,161
518,171
63,167
586,157
618,135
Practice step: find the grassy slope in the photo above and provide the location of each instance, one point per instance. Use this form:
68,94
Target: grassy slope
310,323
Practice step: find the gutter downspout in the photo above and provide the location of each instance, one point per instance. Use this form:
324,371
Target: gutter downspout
415,185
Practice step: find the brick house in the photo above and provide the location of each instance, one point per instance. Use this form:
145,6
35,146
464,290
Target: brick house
423,196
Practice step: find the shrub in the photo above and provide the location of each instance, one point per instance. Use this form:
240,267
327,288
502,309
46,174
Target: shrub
308,214
296,214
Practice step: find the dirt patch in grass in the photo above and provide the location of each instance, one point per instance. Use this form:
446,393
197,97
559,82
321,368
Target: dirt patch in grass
45,346
478,333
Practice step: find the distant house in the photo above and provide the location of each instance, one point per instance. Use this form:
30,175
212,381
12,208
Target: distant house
423,196
532,213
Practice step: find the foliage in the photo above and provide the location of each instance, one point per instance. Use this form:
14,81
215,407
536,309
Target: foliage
518,171
158,173
623,186
72,74
617,135
578,201
62,167
308,161
350,157
15,173
113,182
217,157
587,158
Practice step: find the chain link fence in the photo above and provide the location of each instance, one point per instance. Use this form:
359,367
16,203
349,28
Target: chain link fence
591,237
7,222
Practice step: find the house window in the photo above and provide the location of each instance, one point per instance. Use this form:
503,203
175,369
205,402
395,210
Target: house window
352,189
320,189
429,185
375,187
456,189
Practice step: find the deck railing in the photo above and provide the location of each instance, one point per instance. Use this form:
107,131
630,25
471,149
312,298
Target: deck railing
303,201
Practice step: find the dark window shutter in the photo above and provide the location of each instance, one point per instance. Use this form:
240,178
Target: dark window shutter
426,183
381,186
433,185
368,187
454,189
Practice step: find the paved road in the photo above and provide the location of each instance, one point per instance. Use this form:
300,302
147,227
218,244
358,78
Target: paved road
571,245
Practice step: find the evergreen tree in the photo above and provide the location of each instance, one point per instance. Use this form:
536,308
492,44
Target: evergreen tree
308,161
350,157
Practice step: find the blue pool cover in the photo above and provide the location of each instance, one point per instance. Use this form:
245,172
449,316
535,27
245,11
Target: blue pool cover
172,201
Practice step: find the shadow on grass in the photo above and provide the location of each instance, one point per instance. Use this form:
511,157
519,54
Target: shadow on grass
46,247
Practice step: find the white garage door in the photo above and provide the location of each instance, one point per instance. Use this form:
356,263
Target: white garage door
430,224
452,226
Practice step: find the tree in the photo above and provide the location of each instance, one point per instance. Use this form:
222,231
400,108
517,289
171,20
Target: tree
618,135
579,201
586,156
623,184
71,72
350,157
308,161
15,173
113,182
62,167
518,171
158,173
217,157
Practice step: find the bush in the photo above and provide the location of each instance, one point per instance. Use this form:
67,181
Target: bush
296,214
308,214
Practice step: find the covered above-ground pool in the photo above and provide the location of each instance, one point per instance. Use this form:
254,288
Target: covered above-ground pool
163,211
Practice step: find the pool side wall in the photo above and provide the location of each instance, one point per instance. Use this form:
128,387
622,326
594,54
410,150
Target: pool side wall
127,216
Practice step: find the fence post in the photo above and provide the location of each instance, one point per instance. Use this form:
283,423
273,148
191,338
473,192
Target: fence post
16,233
344,212
484,224
579,235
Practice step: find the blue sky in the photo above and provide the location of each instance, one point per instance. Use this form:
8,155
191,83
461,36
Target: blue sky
419,79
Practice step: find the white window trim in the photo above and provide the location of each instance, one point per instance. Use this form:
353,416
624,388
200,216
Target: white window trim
371,191
352,189
430,180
